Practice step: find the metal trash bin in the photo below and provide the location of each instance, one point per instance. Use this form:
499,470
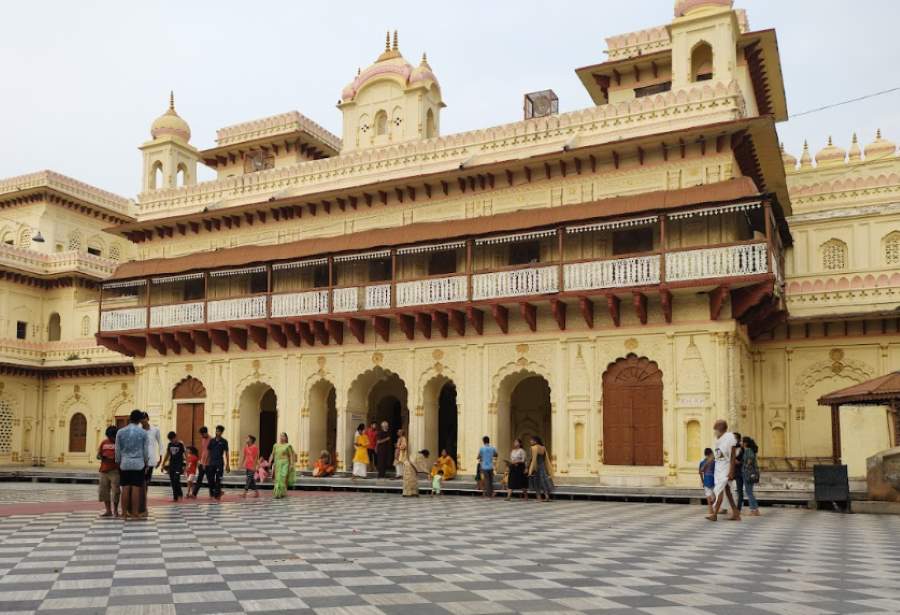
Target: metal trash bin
832,486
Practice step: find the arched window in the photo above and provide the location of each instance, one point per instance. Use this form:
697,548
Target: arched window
25,238
156,176
115,252
78,433
85,326
75,240
54,329
701,62
834,255
181,175
381,123
8,238
892,248
429,124
6,426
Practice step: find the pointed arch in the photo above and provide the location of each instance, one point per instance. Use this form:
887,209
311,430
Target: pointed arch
633,412
54,328
890,248
701,61
381,123
834,255
430,127
78,433
74,240
155,179
188,388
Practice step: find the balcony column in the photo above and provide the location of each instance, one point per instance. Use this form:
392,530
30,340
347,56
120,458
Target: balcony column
469,264
662,248
560,232
767,214
148,301
393,277
330,287
268,290
205,297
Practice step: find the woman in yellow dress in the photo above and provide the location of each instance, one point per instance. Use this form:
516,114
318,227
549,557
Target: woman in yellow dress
360,453
446,463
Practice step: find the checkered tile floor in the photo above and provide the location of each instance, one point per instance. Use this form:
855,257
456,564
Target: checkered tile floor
355,554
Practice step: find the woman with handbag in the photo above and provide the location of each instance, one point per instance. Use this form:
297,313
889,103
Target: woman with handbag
750,472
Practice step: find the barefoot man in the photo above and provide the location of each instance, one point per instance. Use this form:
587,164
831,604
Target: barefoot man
723,450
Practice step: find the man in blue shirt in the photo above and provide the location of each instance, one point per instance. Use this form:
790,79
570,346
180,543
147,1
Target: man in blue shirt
487,455
133,457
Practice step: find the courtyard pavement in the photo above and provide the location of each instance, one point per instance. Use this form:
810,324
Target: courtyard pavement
361,553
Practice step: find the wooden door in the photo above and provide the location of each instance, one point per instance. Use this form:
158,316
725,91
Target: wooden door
268,426
188,420
121,421
78,433
632,413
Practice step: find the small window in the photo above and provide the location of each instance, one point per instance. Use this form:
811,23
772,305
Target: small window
21,330
78,433
524,253
381,123
633,241
442,263
9,242
649,90
193,289
379,270
259,282
834,255
320,276
54,328
94,251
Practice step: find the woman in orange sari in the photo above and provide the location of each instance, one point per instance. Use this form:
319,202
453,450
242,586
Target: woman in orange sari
446,463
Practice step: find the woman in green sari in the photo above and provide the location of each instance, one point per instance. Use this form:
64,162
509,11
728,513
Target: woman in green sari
283,459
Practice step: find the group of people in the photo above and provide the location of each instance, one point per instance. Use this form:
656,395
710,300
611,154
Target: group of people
524,472
730,470
129,456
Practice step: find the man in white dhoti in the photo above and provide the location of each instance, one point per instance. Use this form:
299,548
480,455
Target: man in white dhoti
723,450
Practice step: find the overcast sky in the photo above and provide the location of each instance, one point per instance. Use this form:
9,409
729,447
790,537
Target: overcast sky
82,81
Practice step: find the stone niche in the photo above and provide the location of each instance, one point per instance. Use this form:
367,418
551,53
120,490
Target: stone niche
883,475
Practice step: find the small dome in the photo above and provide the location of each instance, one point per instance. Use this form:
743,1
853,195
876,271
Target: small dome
170,124
880,148
854,153
422,73
790,162
683,7
830,155
389,62
805,159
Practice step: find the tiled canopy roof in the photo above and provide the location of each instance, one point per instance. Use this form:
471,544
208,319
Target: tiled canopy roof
881,391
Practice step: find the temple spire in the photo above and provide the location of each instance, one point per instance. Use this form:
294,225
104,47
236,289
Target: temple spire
396,46
172,100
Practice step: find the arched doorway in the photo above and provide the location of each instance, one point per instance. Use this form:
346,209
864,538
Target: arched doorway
258,409
54,328
189,396
78,433
377,395
523,410
322,421
632,413
441,419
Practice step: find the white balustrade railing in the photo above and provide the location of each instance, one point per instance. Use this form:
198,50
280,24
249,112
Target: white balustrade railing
122,320
175,315
300,304
435,290
346,299
378,297
515,283
726,261
617,273
243,308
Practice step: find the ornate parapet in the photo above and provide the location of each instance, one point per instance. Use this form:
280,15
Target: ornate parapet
651,40
40,263
698,105
282,123
71,187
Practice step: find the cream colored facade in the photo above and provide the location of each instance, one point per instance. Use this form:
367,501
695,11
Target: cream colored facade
363,347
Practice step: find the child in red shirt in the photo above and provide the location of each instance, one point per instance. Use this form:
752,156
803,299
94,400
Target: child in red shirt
193,456
249,461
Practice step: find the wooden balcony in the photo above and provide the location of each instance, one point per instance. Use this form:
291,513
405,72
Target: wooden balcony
451,302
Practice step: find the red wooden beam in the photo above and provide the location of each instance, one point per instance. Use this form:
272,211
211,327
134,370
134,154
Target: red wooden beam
716,301
171,343
612,304
321,332
457,321
742,299
335,330
135,346
238,337
407,325
423,324
509,177
665,298
187,342
278,335
358,329
259,335
501,316
290,331
587,311
306,333
640,306
382,326
527,174
201,338
476,319
220,339
529,314
558,308
439,319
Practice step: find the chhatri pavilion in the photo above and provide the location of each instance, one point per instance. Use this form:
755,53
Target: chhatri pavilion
613,279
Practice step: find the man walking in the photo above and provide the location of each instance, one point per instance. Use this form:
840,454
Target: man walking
201,465
133,457
154,448
723,451
217,463
487,455
173,463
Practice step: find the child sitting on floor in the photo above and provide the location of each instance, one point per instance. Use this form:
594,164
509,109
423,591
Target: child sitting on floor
262,471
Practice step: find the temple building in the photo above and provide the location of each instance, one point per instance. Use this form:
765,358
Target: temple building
612,279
